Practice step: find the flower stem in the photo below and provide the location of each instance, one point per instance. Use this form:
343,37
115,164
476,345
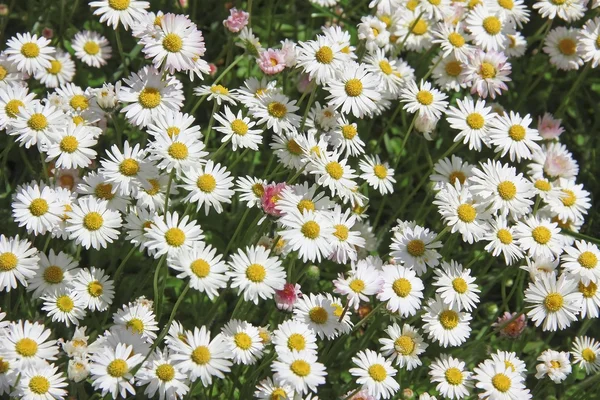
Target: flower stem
211,122
171,176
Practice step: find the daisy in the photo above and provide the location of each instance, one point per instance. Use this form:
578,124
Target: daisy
417,29
445,324
554,364
456,286
128,170
322,117
587,40
238,130
300,198
277,111
29,53
91,48
539,237
424,99
268,389
138,319
591,299
36,207
179,152
347,240
93,286
153,197
8,70
92,224
568,10
203,266
449,171
61,70
582,262
345,138
13,96
499,381
586,354
321,59
18,262
149,96
289,153
499,187
453,40
310,233
511,134
501,238
111,370
200,357
318,312
517,45
487,28
511,361
460,211
487,73
64,307
35,122
569,201
168,235
177,44
125,11
218,93
416,248
26,344
354,90
388,70
374,32
95,185
255,274
244,341
299,370
41,382
55,274
209,185
251,190
332,171
174,123
554,303
401,289
363,280
538,266
473,120
293,335
553,161
452,377
375,374
447,73
71,147
561,45
161,374
403,346
377,174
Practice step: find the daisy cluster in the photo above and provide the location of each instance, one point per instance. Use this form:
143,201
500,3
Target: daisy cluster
313,297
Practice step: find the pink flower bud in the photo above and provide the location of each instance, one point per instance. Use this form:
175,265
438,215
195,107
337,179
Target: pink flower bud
237,20
287,297
271,61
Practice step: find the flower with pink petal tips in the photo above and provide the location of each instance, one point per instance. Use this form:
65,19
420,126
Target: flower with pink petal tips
549,127
271,61
287,297
237,20
270,197
360,395
514,328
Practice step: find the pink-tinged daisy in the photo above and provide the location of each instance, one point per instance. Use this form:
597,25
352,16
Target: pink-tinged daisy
487,73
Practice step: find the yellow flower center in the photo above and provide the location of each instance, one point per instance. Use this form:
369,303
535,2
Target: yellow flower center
55,67
416,248
26,347
206,183
306,204
456,39
588,291
175,237
65,304
412,4
473,3
543,185
568,198
492,25
588,260
3,73
349,131
380,171
277,109
178,151
4,366
588,355
91,48
541,234
201,355
449,319
425,97
457,175
200,268
136,325
256,273
335,170
402,287
118,5
453,376
93,221
53,274
504,236
341,232
516,133
165,372
78,120
258,189
293,147
296,342
318,315
242,340
404,345
173,131
501,382
507,190
38,207
39,385
377,372
466,213
420,28
117,368
12,107
149,97
555,364
324,55
69,144
219,89
385,67
311,230
567,46
507,4
172,43
79,102
475,121
553,302
154,187
357,285
129,167
487,70
104,191
459,285
278,394
453,68
95,289
239,127
8,261
37,122
30,50
434,2
353,87
300,368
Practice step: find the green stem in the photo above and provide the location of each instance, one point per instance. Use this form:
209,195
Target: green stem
307,109
122,265
219,150
211,122
389,124
410,129
410,29
44,168
428,74
581,236
171,176
572,90
238,159
367,317
120,48
237,231
157,296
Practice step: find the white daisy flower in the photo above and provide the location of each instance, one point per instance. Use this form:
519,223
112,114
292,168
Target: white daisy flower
268,389
554,302
26,345
138,319
255,274
237,129
388,70
161,374
447,73
244,341
345,138
354,90
300,198
322,117
218,93
35,122
111,370
511,134
277,111
472,120
403,346
417,29
416,248
487,28
289,153
487,73
373,31
424,99
92,224
497,381
539,237
13,96
453,40
251,190
61,70
91,48
568,10
511,361
586,354
501,238
587,40
9,72
41,382
513,11
452,377
179,152
553,161
128,170
203,266
456,286
449,171
18,262
96,186
553,364
71,147
377,174
582,261
310,233
517,45
375,374
174,123
36,208
318,312
570,201
293,335
55,273
93,286
346,240
299,370
64,306
29,53
169,234
538,266
363,280
209,185
591,299
124,11
561,45
153,197
321,59
444,324
401,289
